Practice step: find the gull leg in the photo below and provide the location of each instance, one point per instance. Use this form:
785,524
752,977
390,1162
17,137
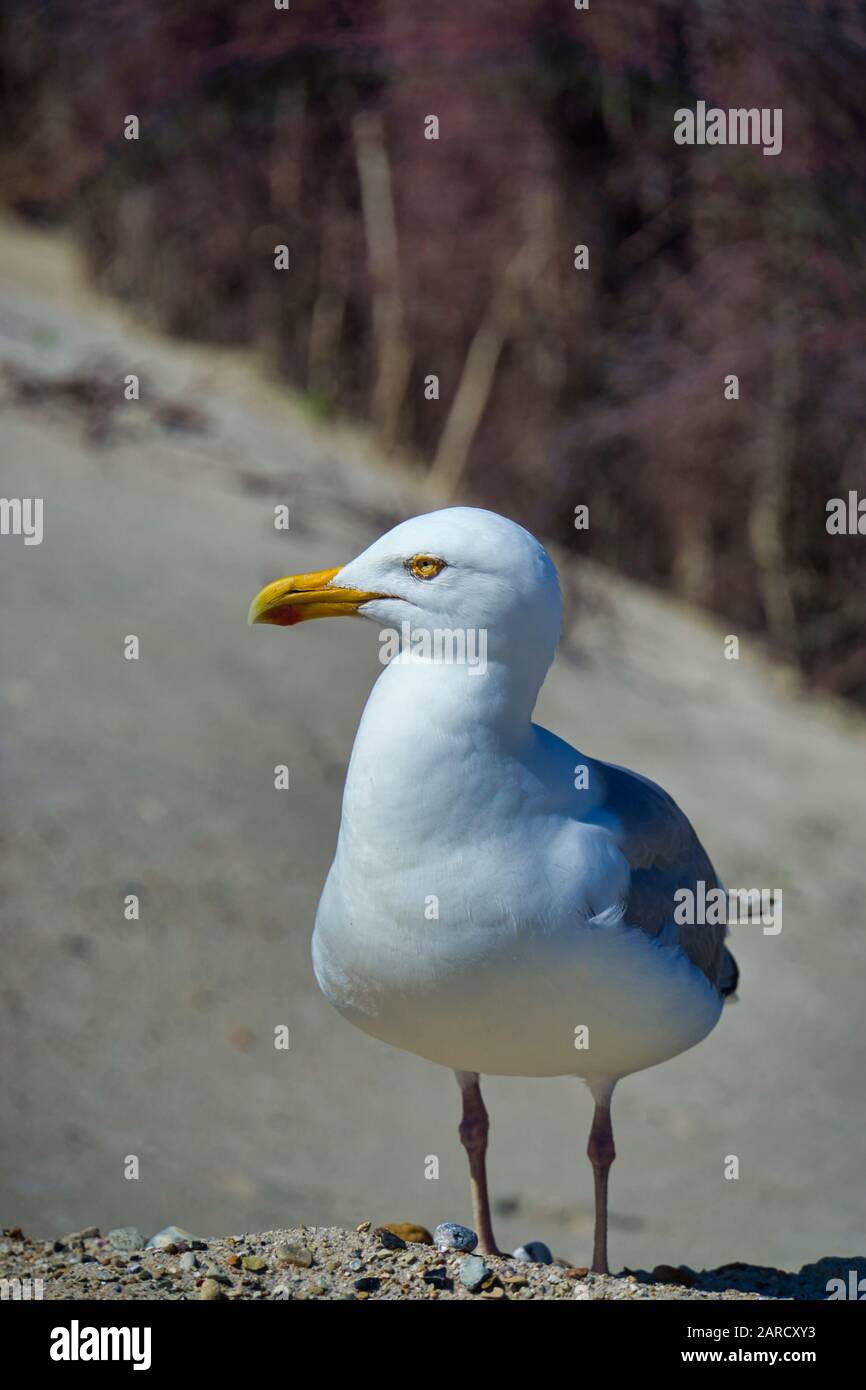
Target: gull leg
474,1127
601,1155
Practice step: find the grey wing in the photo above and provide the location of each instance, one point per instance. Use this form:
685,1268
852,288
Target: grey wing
664,855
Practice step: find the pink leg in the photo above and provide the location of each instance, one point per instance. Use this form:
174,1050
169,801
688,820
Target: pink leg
474,1127
601,1155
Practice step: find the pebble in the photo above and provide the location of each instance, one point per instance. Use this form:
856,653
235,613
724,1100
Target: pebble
294,1255
188,1261
367,1285
126,1238
254,1263
169,1235
413,1235
78,1237
389,1240
473,1272
451,1236
534,1253
210,1290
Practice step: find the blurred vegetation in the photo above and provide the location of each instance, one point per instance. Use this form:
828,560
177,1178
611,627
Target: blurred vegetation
455,257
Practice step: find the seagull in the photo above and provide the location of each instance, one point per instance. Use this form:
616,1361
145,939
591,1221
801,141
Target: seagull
499,902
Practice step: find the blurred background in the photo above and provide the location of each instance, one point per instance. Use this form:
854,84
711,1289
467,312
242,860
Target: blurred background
412,257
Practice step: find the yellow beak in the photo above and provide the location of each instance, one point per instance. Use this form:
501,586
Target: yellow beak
303,596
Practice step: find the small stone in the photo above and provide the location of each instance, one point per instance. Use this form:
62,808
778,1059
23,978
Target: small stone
294,1255
413,1235
473,1272
88,1233
233,1260
534,1253
210,1290
188,1261
367,1284
449,1235
363,1226
254,1263
388,1239
577,1272
355,1265
169,1235
437,1279
126,1238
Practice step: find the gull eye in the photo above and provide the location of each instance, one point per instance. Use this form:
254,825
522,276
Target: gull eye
425,566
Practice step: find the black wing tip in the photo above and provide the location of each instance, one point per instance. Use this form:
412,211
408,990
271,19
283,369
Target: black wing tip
730,974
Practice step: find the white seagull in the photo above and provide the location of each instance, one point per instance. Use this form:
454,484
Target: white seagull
498,902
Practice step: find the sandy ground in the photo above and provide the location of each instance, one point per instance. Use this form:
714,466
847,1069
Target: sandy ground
398,1261
153,1039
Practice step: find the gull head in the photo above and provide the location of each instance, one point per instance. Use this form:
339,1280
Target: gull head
462,568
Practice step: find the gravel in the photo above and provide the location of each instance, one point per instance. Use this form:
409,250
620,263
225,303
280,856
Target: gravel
325,1262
